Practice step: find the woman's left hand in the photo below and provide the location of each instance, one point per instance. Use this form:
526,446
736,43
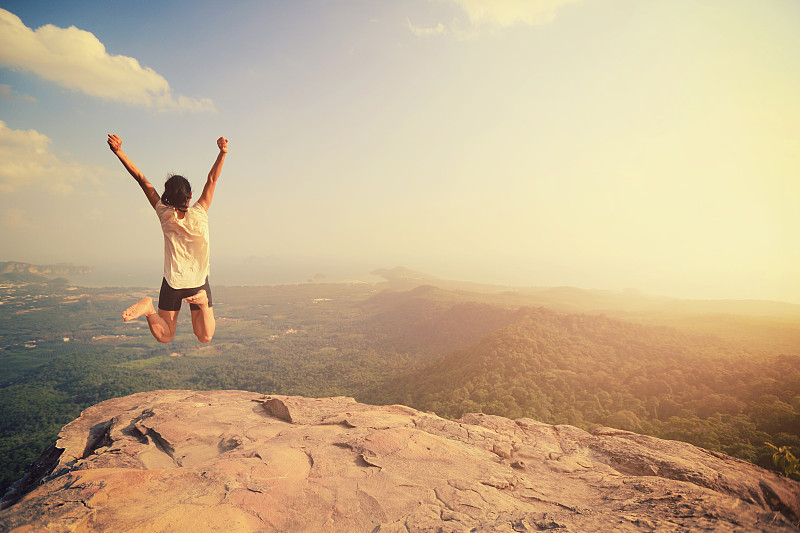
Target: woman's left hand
114,142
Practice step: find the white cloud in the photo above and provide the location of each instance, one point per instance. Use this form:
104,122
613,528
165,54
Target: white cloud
92,215
76,59
504,13
493,14
26,159
7,93
15,219
421,31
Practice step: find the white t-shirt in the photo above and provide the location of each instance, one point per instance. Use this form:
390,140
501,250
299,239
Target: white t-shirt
186,247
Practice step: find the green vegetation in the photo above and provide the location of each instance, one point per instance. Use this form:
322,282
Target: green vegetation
589,370
725,382
785,461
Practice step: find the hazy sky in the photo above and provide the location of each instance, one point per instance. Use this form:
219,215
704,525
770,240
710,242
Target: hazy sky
595,143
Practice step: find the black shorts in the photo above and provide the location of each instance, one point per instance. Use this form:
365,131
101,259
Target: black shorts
170,299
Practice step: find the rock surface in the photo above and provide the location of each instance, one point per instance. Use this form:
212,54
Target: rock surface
237,461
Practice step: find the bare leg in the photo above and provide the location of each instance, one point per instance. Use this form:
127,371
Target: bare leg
203,322
162,324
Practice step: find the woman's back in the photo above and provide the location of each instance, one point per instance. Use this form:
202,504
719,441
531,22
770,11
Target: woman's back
186,245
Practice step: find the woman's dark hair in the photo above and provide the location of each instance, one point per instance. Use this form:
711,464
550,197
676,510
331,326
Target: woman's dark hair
177,192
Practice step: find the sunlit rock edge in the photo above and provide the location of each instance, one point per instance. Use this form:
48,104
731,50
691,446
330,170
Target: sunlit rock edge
242,461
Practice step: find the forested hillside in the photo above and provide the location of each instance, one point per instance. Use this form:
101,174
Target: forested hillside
590,370
63,348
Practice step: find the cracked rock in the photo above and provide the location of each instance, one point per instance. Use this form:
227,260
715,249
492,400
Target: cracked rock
237,461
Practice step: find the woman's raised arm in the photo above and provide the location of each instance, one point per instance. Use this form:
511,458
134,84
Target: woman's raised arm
115,143
213,176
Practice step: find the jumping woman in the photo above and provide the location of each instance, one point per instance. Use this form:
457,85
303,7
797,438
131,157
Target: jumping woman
186,250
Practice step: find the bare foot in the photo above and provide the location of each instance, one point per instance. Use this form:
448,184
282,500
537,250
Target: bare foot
142,307
200,299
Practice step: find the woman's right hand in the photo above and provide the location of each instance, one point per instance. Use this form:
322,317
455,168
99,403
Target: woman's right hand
222,142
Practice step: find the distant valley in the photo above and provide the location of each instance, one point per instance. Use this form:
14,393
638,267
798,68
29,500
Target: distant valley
14,271
722,375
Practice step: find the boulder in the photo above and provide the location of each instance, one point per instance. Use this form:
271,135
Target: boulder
234,461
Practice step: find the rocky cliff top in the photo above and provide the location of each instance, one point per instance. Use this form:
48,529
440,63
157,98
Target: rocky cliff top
238,461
